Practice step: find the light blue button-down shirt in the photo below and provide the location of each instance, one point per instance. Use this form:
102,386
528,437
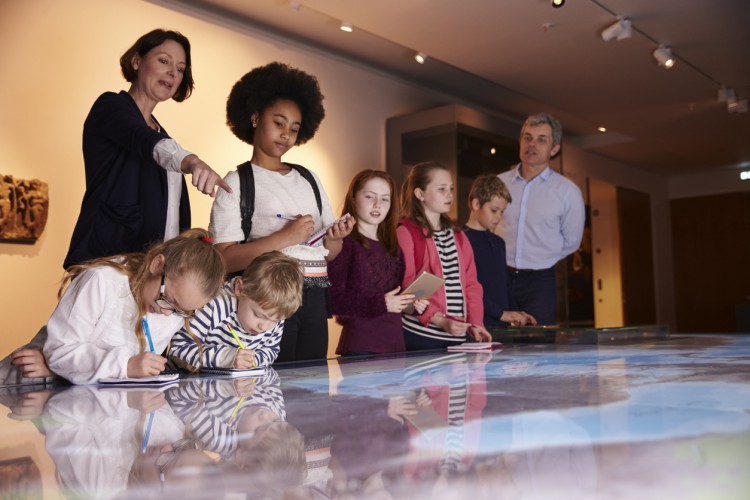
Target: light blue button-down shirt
544,223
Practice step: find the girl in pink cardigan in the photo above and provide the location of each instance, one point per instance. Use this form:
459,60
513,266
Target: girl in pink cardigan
431,242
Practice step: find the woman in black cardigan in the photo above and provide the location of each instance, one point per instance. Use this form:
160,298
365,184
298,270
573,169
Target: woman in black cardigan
135,190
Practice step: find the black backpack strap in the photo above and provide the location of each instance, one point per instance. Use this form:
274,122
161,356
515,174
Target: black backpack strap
247,192
247,196
309,176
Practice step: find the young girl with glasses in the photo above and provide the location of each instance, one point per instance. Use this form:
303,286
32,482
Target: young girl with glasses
116,315
432,242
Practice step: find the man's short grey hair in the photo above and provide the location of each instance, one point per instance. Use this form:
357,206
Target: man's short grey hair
546,119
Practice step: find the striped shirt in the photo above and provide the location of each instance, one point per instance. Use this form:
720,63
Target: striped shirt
445,242
211,409
211,326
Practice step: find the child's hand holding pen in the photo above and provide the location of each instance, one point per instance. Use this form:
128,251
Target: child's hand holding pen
478,333
451,324
299,229
245,359
147,363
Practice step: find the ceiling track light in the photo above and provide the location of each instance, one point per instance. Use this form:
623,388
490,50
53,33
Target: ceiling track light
420,57
663,56
736,105
622,29
558,3
725,94
347,27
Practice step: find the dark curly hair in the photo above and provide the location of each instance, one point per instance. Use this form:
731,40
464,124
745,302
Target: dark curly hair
265,85
153,39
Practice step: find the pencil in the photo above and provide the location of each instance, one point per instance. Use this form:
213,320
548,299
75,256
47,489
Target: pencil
144,443
147,332
239,342
236,409
236,337
448,316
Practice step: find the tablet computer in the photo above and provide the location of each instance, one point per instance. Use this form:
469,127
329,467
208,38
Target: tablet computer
423,287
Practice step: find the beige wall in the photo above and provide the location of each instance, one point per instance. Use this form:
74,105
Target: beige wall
57,57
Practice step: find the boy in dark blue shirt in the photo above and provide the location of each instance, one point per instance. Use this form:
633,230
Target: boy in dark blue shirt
487,200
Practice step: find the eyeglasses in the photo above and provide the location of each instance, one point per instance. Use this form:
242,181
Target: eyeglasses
167,458
166,304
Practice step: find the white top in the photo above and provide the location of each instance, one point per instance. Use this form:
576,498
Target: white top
91,333
286,194
169,155
544,223
107,436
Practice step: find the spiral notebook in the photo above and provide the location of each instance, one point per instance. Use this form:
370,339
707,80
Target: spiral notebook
476,347
157,380
318,235
232,372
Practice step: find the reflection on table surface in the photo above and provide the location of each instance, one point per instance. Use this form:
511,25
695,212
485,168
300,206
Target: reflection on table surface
660,418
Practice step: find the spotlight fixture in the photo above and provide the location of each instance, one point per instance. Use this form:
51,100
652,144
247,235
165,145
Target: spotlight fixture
558,3
420,57
601,129
621,30
663,56
726,94
735,105
347,27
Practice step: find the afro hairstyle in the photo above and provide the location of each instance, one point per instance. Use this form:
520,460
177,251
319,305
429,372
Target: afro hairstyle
264,85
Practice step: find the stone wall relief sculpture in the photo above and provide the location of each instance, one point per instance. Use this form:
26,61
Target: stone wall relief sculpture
23,209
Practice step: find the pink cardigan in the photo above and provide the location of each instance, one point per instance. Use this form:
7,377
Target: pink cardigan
467,272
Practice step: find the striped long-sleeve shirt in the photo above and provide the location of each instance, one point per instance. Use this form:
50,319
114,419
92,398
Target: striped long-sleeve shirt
211,409
218,347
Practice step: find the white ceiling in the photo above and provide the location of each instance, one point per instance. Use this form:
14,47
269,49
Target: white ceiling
517,57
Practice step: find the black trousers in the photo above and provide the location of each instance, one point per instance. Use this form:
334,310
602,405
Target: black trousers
306,331
535,292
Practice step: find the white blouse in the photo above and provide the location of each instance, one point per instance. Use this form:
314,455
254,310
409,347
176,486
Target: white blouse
286,194
91,333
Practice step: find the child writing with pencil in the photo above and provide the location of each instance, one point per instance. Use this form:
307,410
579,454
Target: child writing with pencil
275,108
242,327
431,242
117,314
366,275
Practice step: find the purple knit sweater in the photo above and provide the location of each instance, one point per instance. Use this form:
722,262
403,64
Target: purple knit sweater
360,278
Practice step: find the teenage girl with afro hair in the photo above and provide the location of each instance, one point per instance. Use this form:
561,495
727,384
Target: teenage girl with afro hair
273,108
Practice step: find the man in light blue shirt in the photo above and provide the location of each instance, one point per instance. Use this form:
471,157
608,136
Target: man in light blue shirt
544,225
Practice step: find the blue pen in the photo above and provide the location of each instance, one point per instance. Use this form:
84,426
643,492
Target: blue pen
144,443
285,217
148,334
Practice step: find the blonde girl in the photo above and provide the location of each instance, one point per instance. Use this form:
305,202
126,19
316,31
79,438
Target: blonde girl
117,314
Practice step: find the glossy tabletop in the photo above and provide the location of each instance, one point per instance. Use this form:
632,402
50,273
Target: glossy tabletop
654,418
